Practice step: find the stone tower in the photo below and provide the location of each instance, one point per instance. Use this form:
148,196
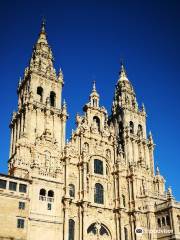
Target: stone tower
40,116
135,179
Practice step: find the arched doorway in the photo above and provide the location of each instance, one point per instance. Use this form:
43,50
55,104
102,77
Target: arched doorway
98,231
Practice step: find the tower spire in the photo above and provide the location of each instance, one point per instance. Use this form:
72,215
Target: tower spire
43,25
124,96
42,35
42,58
122,73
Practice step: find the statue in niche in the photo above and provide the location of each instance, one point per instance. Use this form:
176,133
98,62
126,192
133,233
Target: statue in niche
108,154
47,159
86,147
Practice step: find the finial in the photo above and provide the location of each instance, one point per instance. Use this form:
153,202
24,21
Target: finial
64,103
94,86
61,76
169,192
122,73
157,171
94,91
143,107
43,24
150,136
61,73
20,80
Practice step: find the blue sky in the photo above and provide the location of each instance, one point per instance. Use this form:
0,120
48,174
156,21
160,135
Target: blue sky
89,39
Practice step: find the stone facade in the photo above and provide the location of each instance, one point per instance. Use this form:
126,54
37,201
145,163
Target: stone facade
101,185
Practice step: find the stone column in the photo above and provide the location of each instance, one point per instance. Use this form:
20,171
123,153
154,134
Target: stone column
22,122
84,221
66,177
63,132
11,141
80,223
66,220
15,134
84,184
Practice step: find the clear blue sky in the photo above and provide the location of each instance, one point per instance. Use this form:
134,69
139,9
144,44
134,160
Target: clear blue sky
88,39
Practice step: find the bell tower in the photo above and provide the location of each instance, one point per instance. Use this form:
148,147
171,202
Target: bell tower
40,115
130,125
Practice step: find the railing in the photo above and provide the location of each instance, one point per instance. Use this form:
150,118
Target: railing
44,198
50,199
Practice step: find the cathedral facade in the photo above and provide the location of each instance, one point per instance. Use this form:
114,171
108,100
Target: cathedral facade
101,185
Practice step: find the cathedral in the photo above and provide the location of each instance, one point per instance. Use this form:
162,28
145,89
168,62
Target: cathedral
101,185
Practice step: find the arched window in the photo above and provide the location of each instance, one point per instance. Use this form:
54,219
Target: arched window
42,192
22,101
120,129
125,233
71,229
92,229
131,126
103,230
163,221
96,121
123,200
159,222
99,193
98,229
95,103
140,130
50,193
52,99
98,166
71,190
40,93
168,220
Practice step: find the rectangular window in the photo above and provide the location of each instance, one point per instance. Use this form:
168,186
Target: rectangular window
22,188
98,166
12,186
3,184
22,205
20,223
49,206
